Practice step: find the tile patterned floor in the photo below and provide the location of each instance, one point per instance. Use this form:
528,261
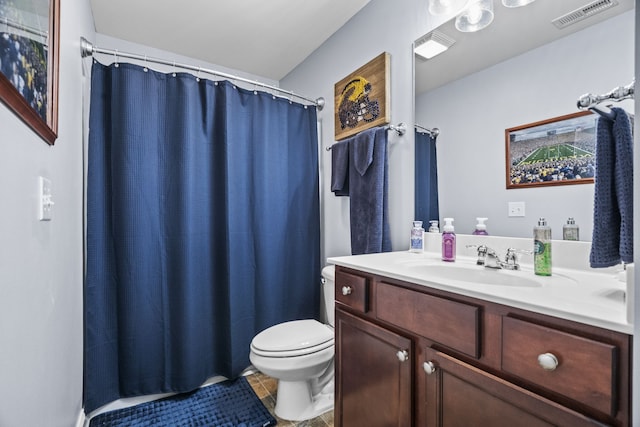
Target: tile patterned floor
266,389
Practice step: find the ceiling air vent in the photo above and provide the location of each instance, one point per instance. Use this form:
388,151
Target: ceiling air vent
584,12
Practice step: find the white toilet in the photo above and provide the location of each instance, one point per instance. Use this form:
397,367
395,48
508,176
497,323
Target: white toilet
299,354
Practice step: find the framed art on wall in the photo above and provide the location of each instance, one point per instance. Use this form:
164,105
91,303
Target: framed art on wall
556,151
29,32
362,98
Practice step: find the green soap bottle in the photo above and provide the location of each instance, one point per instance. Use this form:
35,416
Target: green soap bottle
542,248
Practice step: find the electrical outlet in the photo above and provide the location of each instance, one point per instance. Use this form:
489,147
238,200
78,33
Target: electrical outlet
516,209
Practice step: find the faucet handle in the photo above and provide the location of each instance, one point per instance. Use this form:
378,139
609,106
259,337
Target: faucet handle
511,258
512,252
482,252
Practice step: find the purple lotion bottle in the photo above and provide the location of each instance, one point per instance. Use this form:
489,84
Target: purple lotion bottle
448,241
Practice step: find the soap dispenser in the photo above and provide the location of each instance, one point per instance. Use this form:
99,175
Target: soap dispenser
417,237
481,227
570,230
448,241
542,248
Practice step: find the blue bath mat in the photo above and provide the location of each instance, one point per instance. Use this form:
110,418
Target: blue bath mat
225,404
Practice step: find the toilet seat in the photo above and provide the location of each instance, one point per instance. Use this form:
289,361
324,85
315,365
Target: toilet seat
294,338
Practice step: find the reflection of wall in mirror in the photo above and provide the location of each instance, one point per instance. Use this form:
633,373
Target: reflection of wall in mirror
473,112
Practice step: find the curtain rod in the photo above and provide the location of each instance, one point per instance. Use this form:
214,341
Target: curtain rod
88,49
433,133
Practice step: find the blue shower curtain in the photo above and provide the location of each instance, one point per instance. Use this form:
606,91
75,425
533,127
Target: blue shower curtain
202,228
426,179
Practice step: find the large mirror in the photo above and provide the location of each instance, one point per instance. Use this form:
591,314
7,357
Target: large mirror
521,69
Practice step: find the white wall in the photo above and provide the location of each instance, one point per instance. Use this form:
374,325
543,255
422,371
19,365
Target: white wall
540,84
111,43
41,262
380,26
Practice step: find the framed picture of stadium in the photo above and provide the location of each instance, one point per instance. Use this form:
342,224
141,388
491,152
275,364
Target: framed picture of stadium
557,151
29,32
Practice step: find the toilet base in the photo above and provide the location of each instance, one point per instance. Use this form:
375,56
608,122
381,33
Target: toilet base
295,401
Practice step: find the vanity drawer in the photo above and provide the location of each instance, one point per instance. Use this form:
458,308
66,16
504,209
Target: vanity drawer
450,323
585,370
352,290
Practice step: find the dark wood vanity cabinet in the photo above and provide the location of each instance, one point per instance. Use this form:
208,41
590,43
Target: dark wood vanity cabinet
410,355
374,374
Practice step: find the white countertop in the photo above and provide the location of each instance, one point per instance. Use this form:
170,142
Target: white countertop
591,296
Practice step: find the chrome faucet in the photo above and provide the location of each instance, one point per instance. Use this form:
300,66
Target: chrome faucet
489,258
492,260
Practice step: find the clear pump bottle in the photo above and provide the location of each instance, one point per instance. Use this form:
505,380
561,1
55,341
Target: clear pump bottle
570,230
417,238
542,248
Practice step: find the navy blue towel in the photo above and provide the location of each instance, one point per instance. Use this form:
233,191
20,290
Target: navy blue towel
368,178
613,199
340,168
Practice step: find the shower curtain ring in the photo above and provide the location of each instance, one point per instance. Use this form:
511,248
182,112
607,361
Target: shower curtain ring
146,68
174,69
115,58
198,74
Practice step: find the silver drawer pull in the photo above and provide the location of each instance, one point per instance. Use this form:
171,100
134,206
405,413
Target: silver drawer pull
548,361
429,367
346,290
403,355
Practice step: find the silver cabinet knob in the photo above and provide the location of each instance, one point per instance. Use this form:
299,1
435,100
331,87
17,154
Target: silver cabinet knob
548,361
429,367
346,290
403,355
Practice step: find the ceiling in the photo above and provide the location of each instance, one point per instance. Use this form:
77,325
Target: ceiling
512,32
264,38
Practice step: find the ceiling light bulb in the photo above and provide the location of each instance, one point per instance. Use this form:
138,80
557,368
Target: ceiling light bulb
478,15
516,3
474,14
444,7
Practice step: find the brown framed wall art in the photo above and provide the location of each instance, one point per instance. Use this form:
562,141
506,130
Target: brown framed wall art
29,46
362,99
556,151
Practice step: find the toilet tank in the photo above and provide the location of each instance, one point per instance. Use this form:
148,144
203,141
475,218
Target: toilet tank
328,292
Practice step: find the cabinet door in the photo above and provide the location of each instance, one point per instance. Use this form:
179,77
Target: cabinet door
373,375
461,395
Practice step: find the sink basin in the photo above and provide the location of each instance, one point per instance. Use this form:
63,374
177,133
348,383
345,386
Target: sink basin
481,275
474,274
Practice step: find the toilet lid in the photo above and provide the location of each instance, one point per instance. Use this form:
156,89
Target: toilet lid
295,335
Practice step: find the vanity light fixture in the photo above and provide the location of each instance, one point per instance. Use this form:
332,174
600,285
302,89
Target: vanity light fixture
477,15
516,3
443,7
432,44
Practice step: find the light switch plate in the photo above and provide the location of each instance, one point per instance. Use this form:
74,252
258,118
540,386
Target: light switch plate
516,209
45,207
